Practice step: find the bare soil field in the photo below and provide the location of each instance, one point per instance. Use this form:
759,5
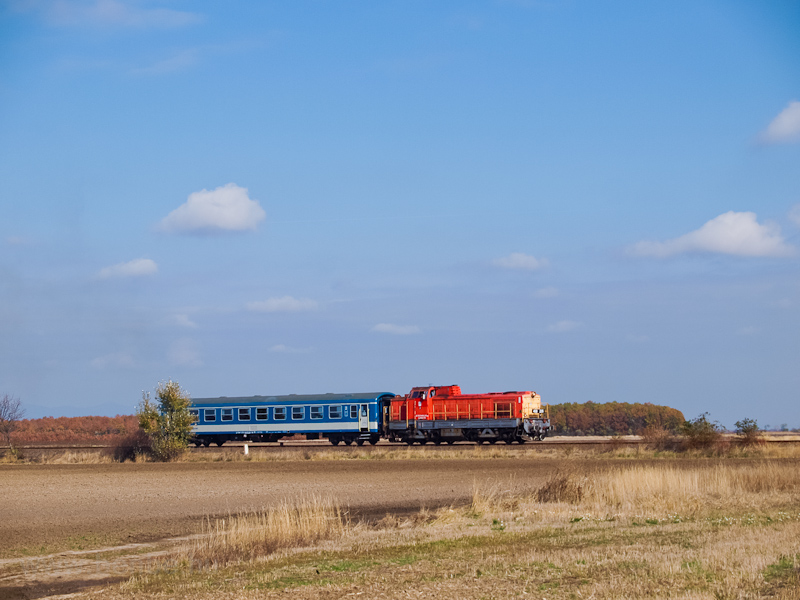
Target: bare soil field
78,506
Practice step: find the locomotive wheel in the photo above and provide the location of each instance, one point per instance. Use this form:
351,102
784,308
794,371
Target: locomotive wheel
410,442
438,442
492,442
450,442
520,440
508,441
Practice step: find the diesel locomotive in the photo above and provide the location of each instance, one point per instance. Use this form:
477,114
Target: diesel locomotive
433,414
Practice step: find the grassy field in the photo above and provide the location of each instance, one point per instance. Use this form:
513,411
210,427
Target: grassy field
723,529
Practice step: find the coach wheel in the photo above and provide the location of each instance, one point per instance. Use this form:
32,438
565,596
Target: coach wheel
206,443
373,440
197,444
220,442
360,442
335,441
348,442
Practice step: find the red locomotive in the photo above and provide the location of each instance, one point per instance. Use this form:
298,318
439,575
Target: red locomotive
443,414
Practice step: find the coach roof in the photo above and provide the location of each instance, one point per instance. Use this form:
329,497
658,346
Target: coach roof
293,398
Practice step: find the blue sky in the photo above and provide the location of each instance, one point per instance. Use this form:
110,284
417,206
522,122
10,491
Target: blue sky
594,200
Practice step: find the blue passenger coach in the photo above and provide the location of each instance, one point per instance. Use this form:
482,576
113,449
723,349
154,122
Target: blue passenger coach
344,418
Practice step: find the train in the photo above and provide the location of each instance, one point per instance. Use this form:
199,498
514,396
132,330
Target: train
431,414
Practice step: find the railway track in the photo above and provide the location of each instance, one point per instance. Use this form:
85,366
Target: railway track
558,441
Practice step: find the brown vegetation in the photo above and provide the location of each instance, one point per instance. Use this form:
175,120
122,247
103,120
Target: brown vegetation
256,534
609,418
74,430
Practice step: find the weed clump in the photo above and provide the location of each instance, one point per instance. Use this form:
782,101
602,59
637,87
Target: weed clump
256,534
132,446
562,487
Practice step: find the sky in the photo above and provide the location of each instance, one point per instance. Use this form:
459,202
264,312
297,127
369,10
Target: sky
598,201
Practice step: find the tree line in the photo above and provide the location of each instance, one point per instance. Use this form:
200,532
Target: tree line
612,418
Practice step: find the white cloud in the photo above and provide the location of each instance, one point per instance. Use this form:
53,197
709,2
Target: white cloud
750,330
226,208
736,233
184,321
178,61
107,13
396,329
16,240
782,303
282,349
547,292
184,353
637,339
563,326
518,260
283,304
135,268
116,359
794,214
785,127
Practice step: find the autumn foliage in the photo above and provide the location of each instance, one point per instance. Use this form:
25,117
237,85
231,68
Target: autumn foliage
610,418
74,430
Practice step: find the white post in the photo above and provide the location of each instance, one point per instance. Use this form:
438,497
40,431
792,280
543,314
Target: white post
246,450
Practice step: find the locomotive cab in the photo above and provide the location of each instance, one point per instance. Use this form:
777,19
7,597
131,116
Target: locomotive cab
418,401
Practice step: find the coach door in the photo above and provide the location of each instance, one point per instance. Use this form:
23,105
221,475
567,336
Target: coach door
363,418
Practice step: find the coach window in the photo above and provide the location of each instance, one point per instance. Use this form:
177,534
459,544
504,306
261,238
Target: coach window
262,413
335,412
227,414
316,412
244,414
298,412
353,411
194,414
209,414
280,413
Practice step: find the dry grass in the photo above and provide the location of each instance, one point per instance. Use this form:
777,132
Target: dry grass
617,450
655,493
706,530
253,535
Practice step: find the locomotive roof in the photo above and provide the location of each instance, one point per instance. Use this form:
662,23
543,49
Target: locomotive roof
292,398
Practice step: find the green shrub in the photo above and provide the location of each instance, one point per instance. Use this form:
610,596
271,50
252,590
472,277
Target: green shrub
169,423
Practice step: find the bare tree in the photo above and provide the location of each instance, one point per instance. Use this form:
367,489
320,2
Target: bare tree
11,412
